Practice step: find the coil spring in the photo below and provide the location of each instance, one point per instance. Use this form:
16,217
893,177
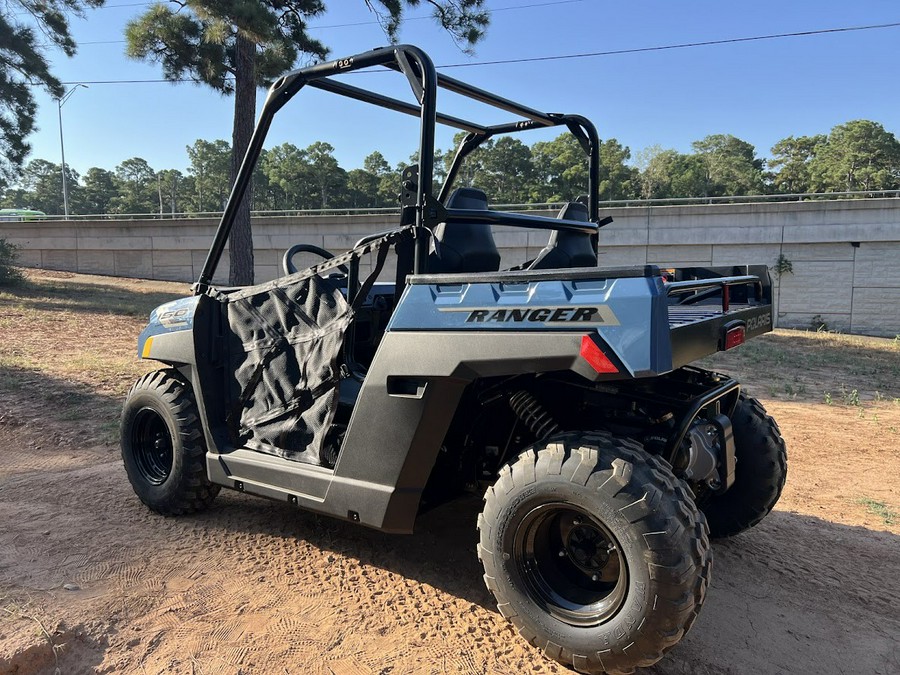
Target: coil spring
533,414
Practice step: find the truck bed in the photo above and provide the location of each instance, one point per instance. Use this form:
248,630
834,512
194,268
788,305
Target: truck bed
653,320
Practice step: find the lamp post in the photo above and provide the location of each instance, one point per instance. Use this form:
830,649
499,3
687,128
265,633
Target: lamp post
62,148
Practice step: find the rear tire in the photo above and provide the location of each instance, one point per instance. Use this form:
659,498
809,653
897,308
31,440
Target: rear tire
162,445
595,551
759,472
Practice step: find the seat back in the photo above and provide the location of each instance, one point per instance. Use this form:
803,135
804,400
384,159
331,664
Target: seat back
565,248
464,247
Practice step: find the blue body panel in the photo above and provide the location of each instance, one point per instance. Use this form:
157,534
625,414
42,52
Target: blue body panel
172,317
630,315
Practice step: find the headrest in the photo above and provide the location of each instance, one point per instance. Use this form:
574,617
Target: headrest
574,211
468,198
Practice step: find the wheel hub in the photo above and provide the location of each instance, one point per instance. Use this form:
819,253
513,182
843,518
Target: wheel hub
153,448
588,548
570,564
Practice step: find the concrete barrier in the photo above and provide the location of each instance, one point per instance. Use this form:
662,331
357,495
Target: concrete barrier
843,254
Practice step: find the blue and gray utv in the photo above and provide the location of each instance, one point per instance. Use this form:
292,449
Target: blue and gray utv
561,391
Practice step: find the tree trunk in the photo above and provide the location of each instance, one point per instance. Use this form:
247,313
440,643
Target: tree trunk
240,245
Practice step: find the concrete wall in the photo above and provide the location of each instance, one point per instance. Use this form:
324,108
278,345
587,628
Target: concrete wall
845,254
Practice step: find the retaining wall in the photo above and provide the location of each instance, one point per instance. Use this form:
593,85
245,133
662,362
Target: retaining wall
844,254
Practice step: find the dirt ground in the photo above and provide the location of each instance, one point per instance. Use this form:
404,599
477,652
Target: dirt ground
91,581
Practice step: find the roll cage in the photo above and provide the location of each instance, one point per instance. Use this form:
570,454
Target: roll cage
420,208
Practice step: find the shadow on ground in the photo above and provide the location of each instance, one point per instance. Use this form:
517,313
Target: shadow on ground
128,298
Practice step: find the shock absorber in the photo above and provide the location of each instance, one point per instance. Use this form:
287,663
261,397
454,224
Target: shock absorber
532,414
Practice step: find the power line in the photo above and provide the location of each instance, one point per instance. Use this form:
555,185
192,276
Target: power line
684,45
635,50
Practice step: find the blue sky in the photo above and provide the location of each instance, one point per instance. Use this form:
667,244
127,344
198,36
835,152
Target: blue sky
760,91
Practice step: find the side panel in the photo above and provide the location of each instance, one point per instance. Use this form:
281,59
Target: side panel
629,314
441,338
401,417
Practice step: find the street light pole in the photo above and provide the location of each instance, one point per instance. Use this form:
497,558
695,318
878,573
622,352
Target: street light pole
62,148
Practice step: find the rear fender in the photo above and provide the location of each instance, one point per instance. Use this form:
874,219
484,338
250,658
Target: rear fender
446,333
411,394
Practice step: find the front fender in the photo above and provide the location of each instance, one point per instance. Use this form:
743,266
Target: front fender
169,335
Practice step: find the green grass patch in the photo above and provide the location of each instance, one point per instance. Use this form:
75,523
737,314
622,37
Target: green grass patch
880,509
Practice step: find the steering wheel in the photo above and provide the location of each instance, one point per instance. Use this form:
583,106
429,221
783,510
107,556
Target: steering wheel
287,262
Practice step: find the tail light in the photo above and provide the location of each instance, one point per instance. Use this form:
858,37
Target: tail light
595,357
734,337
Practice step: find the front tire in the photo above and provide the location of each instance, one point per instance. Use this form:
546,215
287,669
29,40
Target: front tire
595,551
760,471
162,445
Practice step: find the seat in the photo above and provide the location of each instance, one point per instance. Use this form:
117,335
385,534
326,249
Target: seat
566,248
464,247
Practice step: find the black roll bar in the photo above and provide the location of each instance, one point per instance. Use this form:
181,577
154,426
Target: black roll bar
327,84
424,82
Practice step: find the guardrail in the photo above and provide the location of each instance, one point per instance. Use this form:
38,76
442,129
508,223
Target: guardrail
542,206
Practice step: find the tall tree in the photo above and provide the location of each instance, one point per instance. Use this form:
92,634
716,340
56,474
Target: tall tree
27,27
791,158
329,177
858,155
42,183
506,172
731,165
362,189
652,162
618,180
210,166
561,167
239,45
688,177
669,174
388,179
289,177
136,182
99,190
170,188
562,170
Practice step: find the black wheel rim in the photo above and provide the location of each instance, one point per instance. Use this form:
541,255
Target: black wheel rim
571,564
152,445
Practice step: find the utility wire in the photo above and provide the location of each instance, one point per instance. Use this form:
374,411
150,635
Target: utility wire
636,50
684,45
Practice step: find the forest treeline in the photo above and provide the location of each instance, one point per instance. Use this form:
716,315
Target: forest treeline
857,156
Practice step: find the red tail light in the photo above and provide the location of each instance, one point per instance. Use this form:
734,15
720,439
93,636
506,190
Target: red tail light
595,357
735,337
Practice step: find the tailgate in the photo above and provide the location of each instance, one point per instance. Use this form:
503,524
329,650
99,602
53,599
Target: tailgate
715,308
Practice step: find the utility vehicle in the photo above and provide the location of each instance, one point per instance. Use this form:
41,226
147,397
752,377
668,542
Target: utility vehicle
560,390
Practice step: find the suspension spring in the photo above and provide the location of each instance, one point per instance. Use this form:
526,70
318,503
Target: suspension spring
533,414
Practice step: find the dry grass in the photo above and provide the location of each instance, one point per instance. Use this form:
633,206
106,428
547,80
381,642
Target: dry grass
181,595
67,344
820,367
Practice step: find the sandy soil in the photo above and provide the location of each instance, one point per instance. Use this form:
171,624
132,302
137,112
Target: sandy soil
90,581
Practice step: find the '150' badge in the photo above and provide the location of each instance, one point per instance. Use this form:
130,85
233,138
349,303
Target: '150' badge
524,314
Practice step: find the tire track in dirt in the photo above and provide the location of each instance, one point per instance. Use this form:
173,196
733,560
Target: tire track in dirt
257,586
